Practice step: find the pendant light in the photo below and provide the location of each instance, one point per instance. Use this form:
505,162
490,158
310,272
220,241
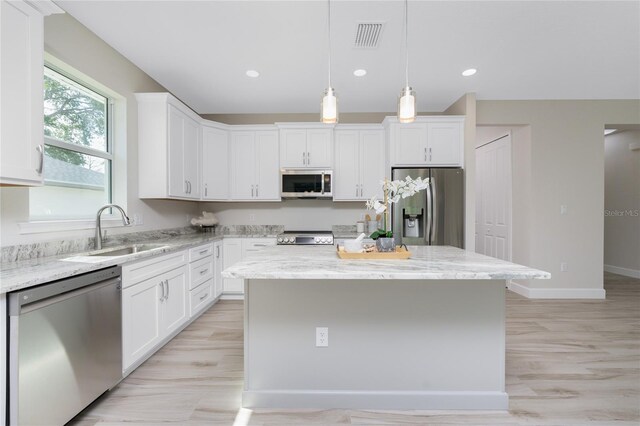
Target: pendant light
329,104
407,98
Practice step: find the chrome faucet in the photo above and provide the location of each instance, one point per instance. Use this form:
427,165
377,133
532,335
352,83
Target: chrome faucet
125,222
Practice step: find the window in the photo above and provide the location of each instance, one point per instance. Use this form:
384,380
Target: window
78,151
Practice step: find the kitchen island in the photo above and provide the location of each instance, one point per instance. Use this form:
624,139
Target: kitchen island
422,333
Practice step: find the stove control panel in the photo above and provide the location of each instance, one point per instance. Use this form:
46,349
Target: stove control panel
305,239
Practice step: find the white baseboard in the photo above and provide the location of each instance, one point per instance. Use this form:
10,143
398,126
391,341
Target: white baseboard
377,400
627,272
556,293
232,296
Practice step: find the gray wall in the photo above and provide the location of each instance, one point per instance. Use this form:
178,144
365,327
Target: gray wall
622,196
567,167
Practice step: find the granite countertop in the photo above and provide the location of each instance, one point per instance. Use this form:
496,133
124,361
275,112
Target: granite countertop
426,263
27,273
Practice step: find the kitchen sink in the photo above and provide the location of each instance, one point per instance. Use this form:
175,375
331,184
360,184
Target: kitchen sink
123,251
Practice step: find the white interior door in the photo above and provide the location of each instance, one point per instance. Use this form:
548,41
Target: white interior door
493,198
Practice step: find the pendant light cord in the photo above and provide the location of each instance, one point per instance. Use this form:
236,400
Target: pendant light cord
406,42
329,36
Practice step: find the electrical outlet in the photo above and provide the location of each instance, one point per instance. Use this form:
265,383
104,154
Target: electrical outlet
563,267
322,337
138,219
252,217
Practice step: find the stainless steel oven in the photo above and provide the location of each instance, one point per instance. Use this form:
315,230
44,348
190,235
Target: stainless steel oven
306,183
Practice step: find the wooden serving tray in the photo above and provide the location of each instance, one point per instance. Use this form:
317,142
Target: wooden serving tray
400,253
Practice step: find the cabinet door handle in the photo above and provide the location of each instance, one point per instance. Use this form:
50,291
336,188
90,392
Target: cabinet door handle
40,151
161,284
167,283
260,245
425,153
252,191
204,296
205,189
217,251
304,158
257,189
430,156
308,158
356,190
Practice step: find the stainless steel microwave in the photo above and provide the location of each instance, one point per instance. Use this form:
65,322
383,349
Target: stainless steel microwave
306,183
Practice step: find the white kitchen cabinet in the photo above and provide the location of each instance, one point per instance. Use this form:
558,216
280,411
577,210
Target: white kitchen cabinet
254,162
21,85
168,148
151,310
215,163
445,144
218,262
431,141
232,255
174,309
359,163
235,250
201,278
302,148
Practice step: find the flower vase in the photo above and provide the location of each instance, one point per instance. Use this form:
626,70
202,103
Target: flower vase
384,244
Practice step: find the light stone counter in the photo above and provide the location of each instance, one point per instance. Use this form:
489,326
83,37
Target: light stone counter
426,263
28,273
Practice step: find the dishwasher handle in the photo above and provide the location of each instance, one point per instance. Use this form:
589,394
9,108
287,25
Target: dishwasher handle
19,301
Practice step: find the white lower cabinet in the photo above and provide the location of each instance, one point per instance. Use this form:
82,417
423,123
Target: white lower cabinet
235,250
202,276
151,310
218,263
162,294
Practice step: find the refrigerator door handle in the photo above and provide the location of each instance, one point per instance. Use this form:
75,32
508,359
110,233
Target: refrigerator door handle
434,211
427,234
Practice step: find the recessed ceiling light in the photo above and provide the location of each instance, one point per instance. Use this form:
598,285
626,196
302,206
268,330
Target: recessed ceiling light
609,131
469,72
360,73
252,73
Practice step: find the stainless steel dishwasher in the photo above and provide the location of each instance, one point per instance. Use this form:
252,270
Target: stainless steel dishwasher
65,346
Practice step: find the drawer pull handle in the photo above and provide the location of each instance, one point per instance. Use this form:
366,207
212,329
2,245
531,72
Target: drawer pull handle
204,271
204,296
204,251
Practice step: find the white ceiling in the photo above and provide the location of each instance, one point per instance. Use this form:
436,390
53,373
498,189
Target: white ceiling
200,50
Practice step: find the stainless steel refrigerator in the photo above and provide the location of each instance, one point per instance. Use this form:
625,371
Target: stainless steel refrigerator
434,216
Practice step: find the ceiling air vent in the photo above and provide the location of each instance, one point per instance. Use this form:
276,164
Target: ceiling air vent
368,35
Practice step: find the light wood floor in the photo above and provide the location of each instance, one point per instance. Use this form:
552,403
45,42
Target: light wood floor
569,362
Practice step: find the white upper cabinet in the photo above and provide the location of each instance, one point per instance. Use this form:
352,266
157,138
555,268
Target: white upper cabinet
359,163
302,147
429,141
21,85
168,148
215,163
254,165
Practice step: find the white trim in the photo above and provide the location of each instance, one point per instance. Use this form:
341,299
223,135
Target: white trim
46,8
232,296
38,227
378,400
556,293
303,125
48,140
627,272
